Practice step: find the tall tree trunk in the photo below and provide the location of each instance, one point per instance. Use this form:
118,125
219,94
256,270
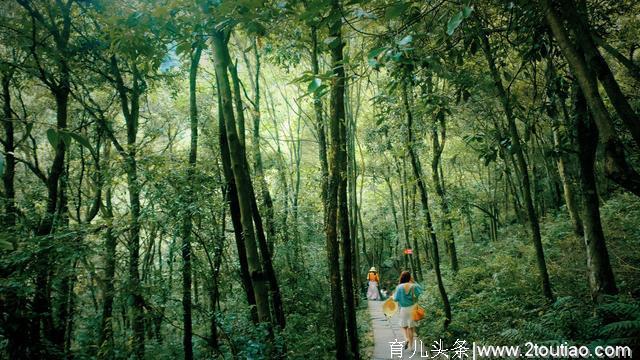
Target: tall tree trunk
187,224
632,68
404,207
340,172
296,157
352,177
415,256
237,97
231,195
562,158
577,20
265,245
241,177
424,199
16,329
333,187
267,201
343,205
616,166
57,81
601,279
8,175
438,147
320,128
214,286
392,204
105,337
522,165
130,104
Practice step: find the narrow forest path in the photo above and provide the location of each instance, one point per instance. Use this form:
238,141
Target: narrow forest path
385,331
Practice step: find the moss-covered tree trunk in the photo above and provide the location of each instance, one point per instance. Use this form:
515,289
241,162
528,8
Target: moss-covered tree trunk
601,279
337,116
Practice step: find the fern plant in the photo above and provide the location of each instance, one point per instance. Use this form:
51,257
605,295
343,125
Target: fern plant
625,330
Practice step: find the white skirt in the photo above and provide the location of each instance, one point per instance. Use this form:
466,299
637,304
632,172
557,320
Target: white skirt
372,292
406,317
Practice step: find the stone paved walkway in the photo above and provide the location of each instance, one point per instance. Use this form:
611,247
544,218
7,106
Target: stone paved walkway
385,331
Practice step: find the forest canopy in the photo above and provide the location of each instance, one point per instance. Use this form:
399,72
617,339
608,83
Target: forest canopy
214,178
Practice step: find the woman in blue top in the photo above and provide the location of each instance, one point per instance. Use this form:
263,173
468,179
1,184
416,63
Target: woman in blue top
406,292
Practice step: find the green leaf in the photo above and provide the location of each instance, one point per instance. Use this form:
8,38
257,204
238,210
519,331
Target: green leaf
454,22
1,165
53,137
5,245
466,11
82,141
66,137
314,85
373,53
183,48
395,10
405,40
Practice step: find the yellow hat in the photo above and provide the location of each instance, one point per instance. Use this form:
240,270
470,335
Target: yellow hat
373,269
390,307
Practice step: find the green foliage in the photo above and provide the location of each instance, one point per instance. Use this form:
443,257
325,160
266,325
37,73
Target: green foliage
624,329
494,304
432,49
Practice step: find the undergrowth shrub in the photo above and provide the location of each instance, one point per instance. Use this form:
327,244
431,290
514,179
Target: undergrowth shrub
496,297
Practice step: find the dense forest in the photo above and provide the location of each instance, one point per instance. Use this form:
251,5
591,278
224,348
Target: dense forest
213,178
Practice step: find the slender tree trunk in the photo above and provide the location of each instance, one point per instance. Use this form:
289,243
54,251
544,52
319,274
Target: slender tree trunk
562,158
231,195
241,177
438,147
12,303
187,225
333,187
130,104
237,96
8,175
105,338
269,271
265,245
616,166
406,223
417,172
352,176
343,212
58,26
267,201
296,157
524,171
632,68
576,16
340,143
320,128
601,279
392,204
415,256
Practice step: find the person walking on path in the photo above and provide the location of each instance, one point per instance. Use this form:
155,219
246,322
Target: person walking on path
406,294
374,280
